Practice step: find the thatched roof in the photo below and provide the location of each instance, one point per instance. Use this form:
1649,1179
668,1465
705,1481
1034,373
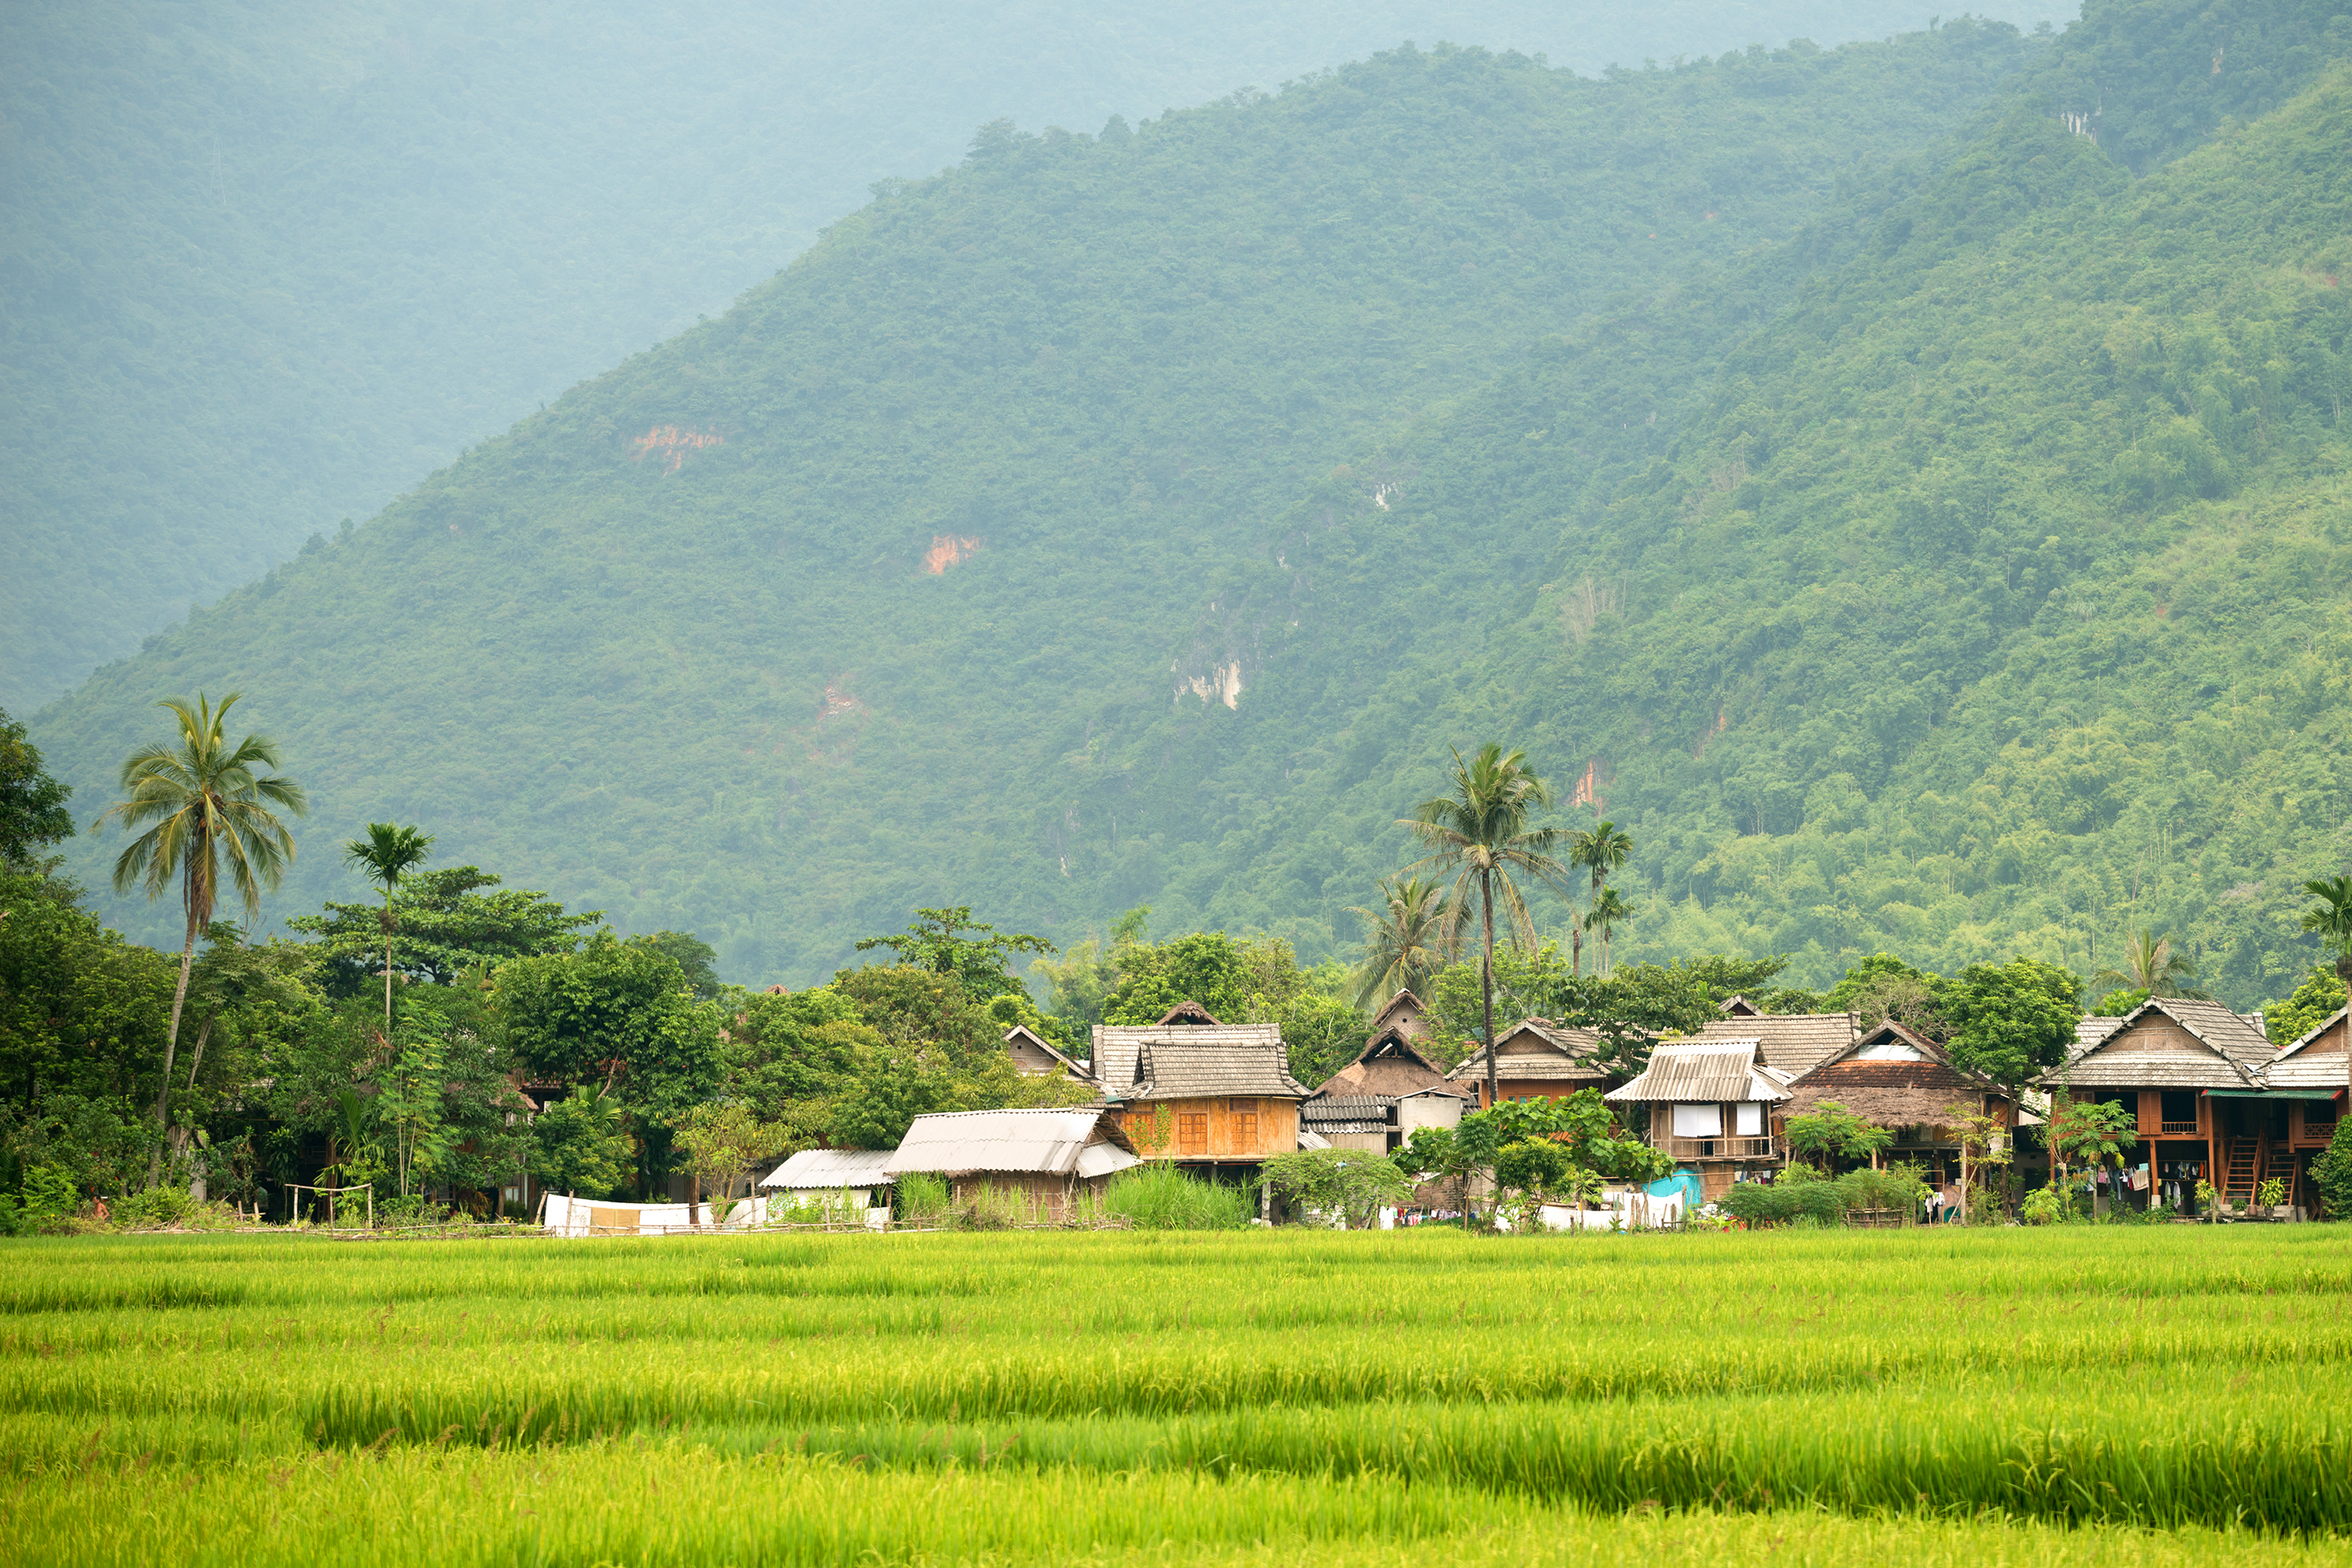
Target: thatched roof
1404,1013
1890,1076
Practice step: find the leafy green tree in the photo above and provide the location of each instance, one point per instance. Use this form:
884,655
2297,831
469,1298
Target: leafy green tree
2312,1003
2086,1132
696,959
1442,1155
444,923
1353,1185
387,854
1881,986
1480,834
2010,1021
581,1144
1831,1131
2150,966
2331,918
33,812
2332,1171
937,942
408,1106
721,1141
1411,936
1206,967
207,805
1601,850
81,1011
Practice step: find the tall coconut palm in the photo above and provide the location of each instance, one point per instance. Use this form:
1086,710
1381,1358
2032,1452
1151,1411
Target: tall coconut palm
2332,919
1479,835
1601,848
209,804
2149,965
1412,934
1607,912
385,855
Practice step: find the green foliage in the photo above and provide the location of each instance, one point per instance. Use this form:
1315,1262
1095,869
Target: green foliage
46,1204
444,924
922,1195
692,955
2317,999
1349,1186
1156,1196
982,962
2011,1020
1830,1132
2042,1206
579,1145
33,812
2331,1172
2087,1133
1111,361
616,1013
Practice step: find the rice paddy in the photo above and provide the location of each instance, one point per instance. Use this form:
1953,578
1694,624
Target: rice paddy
2149,1397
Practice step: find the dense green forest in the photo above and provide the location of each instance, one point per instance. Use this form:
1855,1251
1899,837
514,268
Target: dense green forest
1137,518
265,265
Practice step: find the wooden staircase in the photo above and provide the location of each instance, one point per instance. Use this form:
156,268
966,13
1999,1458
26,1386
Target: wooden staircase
2241,1168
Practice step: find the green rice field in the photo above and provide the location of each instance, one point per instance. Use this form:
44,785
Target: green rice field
2085,1396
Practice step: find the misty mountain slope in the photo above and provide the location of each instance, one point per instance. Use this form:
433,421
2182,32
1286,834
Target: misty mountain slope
834,605
1996,597
265,265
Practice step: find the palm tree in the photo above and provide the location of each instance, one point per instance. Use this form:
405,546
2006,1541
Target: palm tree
209,805
1609,911
2149,965
1480,834
1602,848
2333,920
386,855
1412,934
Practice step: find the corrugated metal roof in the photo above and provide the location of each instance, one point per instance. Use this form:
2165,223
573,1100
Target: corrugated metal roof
1117,1046
1704,1070
1102,1159
830,1168
1791,1043
1329,1114
1043,1142
1187,1070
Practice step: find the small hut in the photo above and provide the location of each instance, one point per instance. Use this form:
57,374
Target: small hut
1044,1159
851,1178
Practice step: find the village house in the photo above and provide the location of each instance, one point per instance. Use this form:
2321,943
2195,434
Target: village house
1033,1057
1378,1099
1042,1161
2310,1072
852,1179
2190,1074
1535,1060
1405,1013
1217,1099
1893,1078
1792,1043
1711,1105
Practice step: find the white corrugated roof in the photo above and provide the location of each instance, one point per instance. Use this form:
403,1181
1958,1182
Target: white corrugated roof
1040,1142
1103,1159
830,1170
1700,1071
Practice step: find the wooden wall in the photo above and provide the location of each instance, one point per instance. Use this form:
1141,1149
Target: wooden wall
1236,1129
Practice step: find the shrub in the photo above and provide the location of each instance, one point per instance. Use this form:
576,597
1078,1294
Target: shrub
2042,1206
1158,1196
2331,1172
1786,1202
173,1208
48,1203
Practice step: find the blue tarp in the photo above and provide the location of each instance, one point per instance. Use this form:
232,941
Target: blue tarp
1683,1182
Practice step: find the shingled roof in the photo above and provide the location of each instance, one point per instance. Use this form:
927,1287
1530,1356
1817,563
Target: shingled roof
1700,1071
1189,1069
2211,1048
2315,1061
1792,1043
1536,1050
1117,1046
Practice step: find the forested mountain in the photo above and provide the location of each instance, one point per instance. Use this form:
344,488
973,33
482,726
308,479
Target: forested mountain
1934,544
265,265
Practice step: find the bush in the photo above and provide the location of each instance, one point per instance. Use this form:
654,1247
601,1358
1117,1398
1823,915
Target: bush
2042,1206
2331,1172
48,1205
1158,1196
413,1209
1786,1202
173,1208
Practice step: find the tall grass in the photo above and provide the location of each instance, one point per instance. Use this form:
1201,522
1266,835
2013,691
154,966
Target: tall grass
2151,1378
1156,1196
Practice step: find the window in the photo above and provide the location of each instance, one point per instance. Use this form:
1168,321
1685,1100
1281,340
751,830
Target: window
1698,1121
1748,1119
1193,1131
1241,1106
2179,1110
